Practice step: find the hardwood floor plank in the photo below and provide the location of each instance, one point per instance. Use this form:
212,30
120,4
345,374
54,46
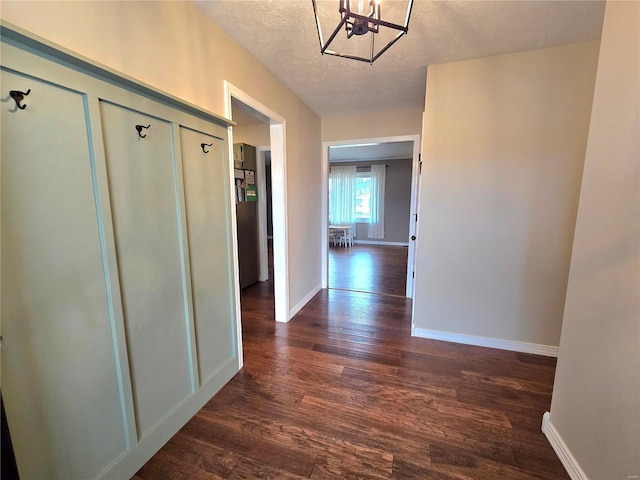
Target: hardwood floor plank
500,397
459,460
426,377
480,414
357,376
249,391
340,466
548,469
411,470
453,351
509,382
247,469
364,428
164,466
252,446
537,359
202,455
358,354
450,456
315,357
364,344
433,364
484,440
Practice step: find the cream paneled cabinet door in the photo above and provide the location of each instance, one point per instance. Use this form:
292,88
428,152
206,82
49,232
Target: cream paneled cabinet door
143,186
208,209
116,262
175,265
59,376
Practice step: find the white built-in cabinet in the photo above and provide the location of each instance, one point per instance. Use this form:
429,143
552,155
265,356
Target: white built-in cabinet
118,294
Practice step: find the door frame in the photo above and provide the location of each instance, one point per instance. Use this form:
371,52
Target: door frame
415,183
261,180
277,132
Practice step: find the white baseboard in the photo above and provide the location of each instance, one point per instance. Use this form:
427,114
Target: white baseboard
564,454
513,345
380,242
298,306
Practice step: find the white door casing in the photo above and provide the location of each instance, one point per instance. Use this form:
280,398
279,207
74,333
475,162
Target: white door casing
278,199
413,209
263,253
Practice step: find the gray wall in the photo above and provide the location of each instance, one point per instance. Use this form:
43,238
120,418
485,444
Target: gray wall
397,200
596,396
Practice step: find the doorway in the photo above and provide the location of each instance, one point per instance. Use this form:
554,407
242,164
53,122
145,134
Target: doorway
246,105
386,264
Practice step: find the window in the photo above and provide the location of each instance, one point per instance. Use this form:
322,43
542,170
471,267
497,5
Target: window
358,197
363,197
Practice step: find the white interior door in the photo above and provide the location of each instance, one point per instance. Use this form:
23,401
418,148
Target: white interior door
416,170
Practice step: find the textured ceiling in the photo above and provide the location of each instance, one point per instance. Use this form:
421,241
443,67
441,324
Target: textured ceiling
282,35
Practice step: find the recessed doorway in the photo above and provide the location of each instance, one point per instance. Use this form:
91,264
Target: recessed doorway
370,221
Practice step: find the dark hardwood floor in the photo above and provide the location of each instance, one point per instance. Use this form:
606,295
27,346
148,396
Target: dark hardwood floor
344,392
380,269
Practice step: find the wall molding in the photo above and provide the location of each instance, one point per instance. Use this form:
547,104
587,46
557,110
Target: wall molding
380,242
569,462
513,345
307,298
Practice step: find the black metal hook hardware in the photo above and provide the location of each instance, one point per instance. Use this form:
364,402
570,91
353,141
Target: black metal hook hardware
18,97
205,145
139,129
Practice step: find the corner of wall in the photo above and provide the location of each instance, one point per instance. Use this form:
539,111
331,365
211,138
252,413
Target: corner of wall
564,454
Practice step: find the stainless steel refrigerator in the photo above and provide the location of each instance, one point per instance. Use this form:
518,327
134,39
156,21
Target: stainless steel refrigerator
246,213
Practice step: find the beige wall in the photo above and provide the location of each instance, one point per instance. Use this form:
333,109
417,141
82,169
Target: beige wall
596,397
503,150
256,135
372,125
174,47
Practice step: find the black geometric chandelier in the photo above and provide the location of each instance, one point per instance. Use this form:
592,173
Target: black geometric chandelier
366,34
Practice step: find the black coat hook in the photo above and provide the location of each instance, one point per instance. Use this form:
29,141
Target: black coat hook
18,97
205,145
139,129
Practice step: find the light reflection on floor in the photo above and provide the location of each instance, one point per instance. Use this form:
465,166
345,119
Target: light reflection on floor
362,269
367,268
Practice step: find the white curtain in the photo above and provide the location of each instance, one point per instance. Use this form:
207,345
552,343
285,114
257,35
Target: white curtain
342,196
376,224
